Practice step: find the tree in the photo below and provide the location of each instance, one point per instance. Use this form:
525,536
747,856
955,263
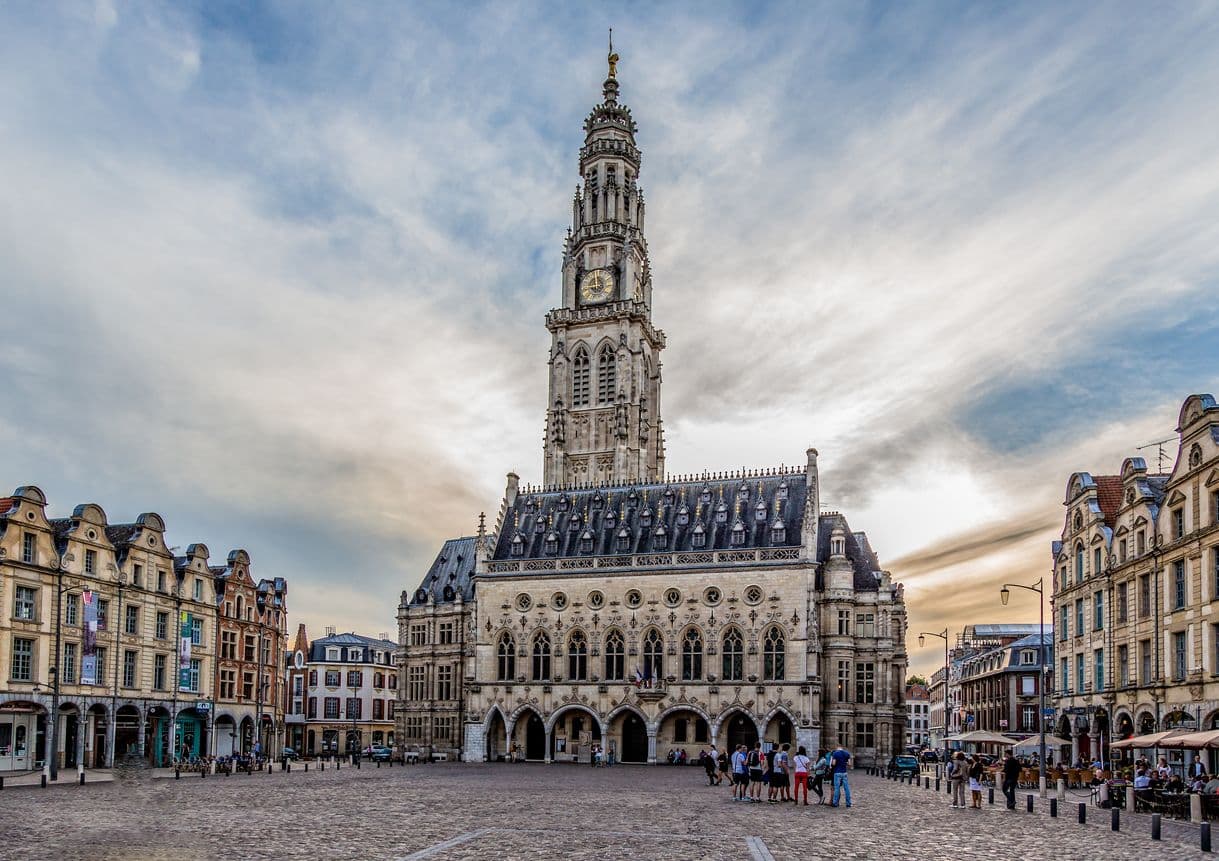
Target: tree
916,680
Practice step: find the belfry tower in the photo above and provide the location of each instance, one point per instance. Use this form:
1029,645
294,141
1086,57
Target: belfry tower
603,418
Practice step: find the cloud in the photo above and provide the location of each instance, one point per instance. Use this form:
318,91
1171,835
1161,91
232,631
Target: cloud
281,276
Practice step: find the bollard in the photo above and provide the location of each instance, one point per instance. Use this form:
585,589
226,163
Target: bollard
378,763
1028,803
1115,819
1,783
322,765
202,774
926,783
937,784
1195,808
1053,808
82,778
336,763
357,760
1083,813
1204,834
306,768
177,774
990,795
289,768
1155,826
44,781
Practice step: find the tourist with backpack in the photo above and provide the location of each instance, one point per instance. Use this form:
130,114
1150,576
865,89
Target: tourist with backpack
755,763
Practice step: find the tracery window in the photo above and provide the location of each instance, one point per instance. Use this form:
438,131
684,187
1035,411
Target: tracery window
506,653
607,375
614,657
653,655
774,650
577,656
733,654
541,657
692,656
580,378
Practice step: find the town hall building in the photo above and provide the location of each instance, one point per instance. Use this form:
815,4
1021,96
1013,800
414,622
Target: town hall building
620,607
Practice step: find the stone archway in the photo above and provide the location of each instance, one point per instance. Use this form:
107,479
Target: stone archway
574,729
97,720
737,728
780,729
682,727
496,736
225,736
633,732
126,732
535,737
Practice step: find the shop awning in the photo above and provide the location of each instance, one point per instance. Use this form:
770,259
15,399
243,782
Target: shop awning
1155,739
1194,740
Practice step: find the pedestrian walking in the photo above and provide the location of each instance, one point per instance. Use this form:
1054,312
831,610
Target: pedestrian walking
709,765
1011,776
724,769
957,773
976,771
800,764
840,761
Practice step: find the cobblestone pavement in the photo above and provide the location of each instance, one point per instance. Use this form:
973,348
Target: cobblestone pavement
455,811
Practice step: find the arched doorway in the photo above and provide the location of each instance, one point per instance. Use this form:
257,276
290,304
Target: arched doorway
634,739
311,743
97,739
1147,723
226,736
126,732
21,729
740,730
245,736
574,731
191,735
496,740
780,730
681,729
71,726
535,737
158,744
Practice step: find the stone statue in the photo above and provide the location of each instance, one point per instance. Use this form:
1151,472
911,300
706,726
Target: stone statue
558,423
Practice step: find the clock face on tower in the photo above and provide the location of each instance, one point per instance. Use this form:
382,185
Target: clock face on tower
596,287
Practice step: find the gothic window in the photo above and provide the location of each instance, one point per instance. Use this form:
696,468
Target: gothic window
733,656
541,657
577,657
607,375
633,598
580,373
773,652
614,657
539,525
698,539
653,655
692,656
738,534
506,651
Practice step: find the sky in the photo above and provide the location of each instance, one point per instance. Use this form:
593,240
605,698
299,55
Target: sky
278,271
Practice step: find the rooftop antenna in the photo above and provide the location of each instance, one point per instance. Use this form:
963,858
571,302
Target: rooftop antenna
1159,447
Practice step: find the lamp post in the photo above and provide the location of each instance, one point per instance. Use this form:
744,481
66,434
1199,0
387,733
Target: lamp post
1004,595
944,637
53,732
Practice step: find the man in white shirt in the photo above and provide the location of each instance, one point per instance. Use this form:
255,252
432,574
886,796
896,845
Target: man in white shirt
740,774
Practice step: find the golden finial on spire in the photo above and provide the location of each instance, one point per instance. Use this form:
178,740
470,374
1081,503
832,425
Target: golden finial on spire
613,58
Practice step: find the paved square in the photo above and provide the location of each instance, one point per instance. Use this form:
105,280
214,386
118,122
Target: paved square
449,812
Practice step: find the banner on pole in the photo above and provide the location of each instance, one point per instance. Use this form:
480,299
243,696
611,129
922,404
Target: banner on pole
88,664
184,681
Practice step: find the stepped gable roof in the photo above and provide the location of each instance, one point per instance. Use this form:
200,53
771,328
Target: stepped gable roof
637,513
859,551
451,570
1108,495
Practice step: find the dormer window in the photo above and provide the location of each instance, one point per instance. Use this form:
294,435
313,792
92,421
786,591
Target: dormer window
698,538
668,496
574,523
759,511
586,542
660,541
781,493
705,495
610,519
743,491
721,513
518,545
778,532
598,501
738,534
539,525
623,542
683,516
552,543
645,517
563,502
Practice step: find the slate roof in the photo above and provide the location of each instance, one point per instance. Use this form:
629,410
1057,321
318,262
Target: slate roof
452,570
859,551
591,521
317,649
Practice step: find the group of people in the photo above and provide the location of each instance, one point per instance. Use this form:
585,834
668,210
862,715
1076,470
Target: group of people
972,769
1161,777
785,775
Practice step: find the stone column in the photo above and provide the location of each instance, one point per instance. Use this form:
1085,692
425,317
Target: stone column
82,730
110,731
547,752
651,745
509,729
143,731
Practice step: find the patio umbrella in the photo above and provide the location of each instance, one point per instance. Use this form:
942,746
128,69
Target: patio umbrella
1033,745
1194,740
1155,739
982,736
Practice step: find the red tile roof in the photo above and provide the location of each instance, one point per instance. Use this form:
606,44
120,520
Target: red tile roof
6,504
1108,495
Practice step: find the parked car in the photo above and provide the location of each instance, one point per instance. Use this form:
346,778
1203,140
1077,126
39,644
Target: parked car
289,753
930,755
378,753
903,764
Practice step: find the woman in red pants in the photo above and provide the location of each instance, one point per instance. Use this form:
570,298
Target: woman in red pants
800,764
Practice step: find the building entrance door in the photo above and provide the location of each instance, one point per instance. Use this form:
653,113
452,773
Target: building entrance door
71,728
634,739
535,738
741,730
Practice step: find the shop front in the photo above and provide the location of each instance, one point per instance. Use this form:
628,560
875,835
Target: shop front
22,730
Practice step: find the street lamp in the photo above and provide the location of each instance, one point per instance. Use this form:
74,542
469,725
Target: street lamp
944,636
53,740
1004,595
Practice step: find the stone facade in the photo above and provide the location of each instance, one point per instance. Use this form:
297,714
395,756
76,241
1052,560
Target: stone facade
351,694
1000,685
1136,594
620,607
137,680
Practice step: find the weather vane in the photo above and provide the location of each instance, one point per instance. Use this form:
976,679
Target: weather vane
613,58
